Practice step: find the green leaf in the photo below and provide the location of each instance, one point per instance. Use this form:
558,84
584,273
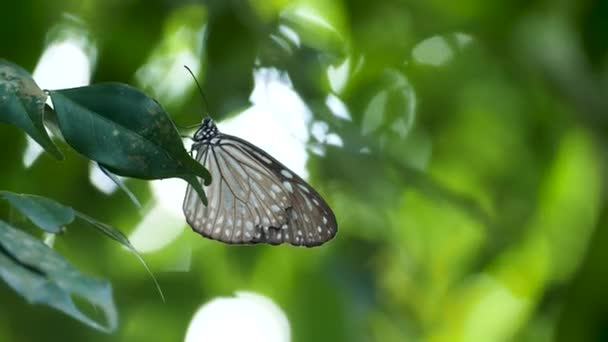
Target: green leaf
118,236
320,24
125,131
43,212
374,113
22,104
42,276
394,105
52,216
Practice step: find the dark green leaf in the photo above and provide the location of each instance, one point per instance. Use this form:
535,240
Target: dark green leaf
52,216
43,212
125,131
118,236
42,276
22,104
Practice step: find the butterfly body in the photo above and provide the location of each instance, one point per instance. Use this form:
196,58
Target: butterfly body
253,198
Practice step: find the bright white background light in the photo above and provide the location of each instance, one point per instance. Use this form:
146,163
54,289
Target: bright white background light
248,317
163,222
277,120
63,64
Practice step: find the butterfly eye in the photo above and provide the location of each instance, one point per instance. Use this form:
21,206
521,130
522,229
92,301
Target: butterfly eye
253,198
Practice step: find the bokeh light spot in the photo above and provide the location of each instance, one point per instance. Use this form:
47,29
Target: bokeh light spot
247,317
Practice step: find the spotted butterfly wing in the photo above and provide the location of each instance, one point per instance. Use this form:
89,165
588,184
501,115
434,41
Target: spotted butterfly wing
253,198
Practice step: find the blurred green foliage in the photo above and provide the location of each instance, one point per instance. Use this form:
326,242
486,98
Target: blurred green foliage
469,190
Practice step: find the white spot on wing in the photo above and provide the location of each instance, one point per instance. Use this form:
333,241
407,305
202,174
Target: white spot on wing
304,188
286,173
287,186
308,204
266,160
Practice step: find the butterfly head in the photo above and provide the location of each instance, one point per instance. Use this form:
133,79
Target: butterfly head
207,131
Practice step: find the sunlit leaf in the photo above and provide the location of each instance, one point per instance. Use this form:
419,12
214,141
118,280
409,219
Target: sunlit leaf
42,276
319,24
125,131
43,212
394,105
180,43
22,104
374,113
434,51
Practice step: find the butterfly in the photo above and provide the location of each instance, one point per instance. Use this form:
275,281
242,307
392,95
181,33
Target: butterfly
253,198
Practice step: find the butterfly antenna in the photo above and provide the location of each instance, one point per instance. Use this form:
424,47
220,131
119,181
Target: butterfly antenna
200,89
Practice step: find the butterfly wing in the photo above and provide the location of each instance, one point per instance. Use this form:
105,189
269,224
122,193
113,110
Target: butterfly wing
253,198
